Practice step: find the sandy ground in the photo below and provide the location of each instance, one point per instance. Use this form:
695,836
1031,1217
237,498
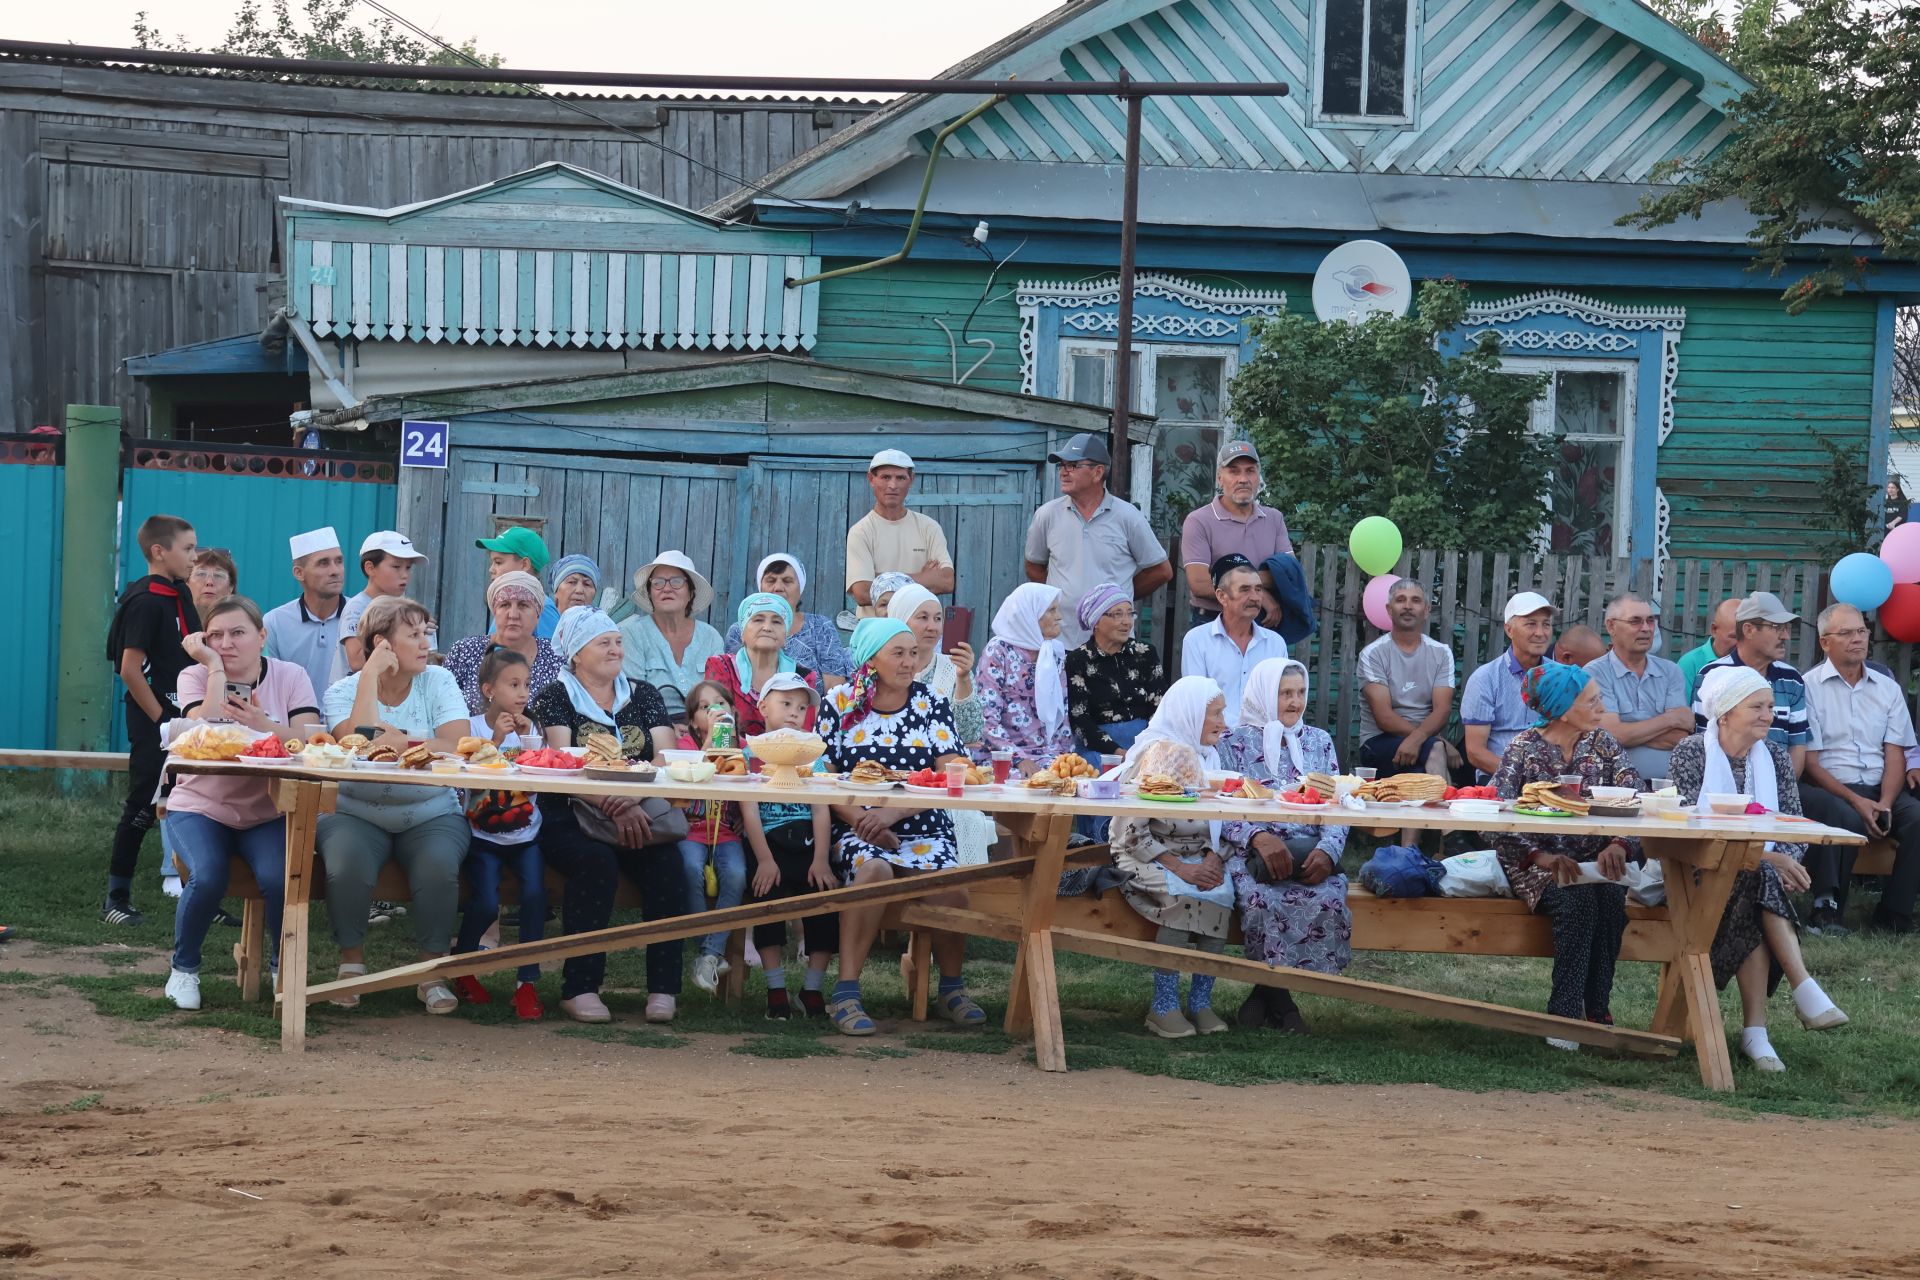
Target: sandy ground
419,1147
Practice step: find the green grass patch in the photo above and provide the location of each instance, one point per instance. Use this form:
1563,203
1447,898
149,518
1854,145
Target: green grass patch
785,1047
53,847
85,1102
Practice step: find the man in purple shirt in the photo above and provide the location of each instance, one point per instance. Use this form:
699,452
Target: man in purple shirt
1232,524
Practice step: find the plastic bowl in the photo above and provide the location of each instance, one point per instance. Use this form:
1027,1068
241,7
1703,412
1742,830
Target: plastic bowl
1726,804
677,757
1099,788
1611,795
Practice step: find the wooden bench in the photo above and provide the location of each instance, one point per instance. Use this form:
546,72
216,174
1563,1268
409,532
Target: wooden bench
1876,859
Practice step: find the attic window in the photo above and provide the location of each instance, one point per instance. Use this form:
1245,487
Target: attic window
1365,60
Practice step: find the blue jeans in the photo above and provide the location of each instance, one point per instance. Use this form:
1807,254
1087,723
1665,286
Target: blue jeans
729,870
485,861
206,847
1123,732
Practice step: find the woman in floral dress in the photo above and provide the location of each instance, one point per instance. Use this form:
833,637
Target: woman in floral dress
1543,869
1114,681
1293,905
1022,681
885,715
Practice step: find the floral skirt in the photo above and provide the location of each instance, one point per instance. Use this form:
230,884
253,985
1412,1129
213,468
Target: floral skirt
1300,926
1753,892
916,853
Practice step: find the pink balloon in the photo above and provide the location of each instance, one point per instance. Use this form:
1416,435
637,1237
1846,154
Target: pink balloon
1901,551
1374,601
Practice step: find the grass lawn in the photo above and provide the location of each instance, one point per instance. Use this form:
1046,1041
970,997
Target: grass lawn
53,847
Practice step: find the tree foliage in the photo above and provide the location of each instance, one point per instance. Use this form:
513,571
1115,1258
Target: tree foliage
325,30
1377,419
1827,140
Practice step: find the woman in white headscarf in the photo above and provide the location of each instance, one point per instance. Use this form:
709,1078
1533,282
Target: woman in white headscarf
812,639
1286,875
1176,876
1759,940
950,676
1022,681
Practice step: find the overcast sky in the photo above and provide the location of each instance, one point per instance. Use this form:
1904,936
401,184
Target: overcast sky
737,37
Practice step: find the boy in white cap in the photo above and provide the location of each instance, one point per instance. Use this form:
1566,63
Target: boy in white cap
387,557
1491,709
306,629
892,539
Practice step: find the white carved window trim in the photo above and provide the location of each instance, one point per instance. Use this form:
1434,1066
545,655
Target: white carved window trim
1544,422
1089,310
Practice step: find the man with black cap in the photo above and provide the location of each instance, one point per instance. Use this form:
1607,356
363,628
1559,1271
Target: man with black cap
1227,649
1232,524
1086,536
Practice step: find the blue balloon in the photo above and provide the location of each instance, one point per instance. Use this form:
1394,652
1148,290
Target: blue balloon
1863,581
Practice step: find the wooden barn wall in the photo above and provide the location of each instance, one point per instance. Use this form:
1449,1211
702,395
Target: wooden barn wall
139,211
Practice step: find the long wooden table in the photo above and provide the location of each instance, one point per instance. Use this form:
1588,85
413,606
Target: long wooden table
1699,858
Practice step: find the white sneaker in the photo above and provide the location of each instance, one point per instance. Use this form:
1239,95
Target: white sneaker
706,973
172,887
183,989
1565,1046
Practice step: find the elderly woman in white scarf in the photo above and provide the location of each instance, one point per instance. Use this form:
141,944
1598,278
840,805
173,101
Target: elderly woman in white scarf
1286,875
593,696
1177,878
1022,681
1759,940
950,676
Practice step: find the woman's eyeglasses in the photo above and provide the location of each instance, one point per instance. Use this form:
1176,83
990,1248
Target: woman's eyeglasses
675,581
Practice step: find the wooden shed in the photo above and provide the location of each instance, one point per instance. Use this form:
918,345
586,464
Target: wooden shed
728,461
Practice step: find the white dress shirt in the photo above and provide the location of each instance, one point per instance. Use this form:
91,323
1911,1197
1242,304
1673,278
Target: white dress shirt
1852,724
1209,651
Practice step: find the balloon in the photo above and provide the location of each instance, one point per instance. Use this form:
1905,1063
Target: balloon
1374,601
1900,615
1863,581
1901,551
1375,545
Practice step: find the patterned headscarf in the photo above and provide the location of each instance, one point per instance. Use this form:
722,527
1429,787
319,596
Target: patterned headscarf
579,627
886,584
870,636
575,563
517,582
1551,689
1094,604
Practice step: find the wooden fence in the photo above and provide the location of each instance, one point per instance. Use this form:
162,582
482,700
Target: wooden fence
1469,589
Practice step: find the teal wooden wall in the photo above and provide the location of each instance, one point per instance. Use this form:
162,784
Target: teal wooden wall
34,499
1739,468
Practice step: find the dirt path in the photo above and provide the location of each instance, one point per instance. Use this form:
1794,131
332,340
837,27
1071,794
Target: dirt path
424,1148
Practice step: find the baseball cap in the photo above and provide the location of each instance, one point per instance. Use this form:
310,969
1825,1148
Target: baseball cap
1764,606
789,682
1085,447
1527,602
394,543
1233,449
890,458
305,544
518,540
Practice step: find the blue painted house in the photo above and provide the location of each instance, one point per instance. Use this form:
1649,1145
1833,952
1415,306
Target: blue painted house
1496,141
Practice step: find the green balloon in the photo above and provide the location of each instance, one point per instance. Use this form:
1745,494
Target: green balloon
1375,545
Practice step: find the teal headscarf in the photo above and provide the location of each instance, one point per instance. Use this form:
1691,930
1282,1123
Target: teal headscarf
870,636
761,602
1551,689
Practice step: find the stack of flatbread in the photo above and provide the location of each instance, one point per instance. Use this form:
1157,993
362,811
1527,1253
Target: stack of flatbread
1547,795
1253,789
1403,788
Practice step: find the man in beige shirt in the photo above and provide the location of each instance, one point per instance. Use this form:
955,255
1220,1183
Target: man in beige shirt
892,539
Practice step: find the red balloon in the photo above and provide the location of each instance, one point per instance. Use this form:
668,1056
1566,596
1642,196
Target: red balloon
1900,615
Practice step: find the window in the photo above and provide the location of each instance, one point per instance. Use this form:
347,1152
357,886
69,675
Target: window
1589,408
1365,51
1185,387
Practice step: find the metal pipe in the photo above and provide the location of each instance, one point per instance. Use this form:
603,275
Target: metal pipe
623,79
919,207
1122,441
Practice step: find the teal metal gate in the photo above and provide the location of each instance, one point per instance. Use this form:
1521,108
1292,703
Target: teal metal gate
32,488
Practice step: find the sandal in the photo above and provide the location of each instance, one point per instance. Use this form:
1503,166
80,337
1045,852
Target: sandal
850,1017
349,1001
959,1008
437,996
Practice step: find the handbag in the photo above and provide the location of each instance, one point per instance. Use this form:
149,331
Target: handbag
669,824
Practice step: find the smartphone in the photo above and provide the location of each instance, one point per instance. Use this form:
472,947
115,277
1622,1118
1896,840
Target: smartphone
367,730
954,632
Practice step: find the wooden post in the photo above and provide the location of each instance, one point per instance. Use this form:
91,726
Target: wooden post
247,955
303,802
83,712
1033,996
1698,877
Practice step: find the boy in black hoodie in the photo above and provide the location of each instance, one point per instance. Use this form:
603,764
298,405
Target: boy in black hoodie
143,645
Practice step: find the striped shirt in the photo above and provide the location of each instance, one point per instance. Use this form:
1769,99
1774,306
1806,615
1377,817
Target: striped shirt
1790,727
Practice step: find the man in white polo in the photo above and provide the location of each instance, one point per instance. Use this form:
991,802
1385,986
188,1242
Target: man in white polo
892,539
306,629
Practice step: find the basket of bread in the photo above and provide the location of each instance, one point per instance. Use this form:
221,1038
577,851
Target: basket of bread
208,741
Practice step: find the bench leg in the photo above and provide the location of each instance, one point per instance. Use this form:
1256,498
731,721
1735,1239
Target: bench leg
916,964
734,984
253,922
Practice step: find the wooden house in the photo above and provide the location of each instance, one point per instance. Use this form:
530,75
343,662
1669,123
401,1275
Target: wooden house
1495,141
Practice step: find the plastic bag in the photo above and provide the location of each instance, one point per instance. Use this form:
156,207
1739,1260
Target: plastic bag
1644,882
1474,875
1400,871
